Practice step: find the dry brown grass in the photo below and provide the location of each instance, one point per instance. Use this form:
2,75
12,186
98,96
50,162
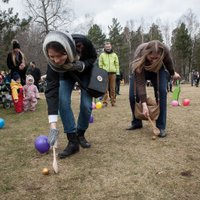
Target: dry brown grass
120,164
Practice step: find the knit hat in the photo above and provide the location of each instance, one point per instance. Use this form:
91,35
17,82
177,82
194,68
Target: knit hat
29,79
15,44
68,44
15,76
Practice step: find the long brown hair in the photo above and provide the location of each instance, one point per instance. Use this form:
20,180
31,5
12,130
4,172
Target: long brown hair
16,45
152,46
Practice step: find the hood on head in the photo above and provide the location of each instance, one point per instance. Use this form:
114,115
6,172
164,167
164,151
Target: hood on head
15,44
29,79
68,44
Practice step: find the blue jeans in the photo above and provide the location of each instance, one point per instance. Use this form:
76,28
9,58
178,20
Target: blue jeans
66,113
161,121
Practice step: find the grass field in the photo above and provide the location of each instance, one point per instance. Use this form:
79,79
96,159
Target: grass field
124,165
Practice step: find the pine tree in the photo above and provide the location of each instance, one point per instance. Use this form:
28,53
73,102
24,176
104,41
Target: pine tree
97,37
181,48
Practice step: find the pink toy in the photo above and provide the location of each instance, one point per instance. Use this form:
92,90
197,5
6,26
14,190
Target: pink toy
93,105
186,102
175,103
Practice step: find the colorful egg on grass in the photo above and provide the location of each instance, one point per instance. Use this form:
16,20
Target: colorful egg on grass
98,105
174,103
2,123
91,119
41,144
186,102
93,105
45,171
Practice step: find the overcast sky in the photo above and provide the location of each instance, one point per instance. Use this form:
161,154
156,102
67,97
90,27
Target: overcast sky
169,11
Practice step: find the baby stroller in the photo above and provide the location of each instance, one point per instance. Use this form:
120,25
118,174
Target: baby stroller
5,95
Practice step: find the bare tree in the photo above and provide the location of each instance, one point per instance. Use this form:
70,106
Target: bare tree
191,22
127,35
82,26
142,21
50,14
193,26
31,44
166,30
130,25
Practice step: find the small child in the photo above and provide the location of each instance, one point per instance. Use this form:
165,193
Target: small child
17,92
31,94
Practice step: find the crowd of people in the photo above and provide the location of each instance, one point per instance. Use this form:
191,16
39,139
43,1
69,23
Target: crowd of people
23,79
68,55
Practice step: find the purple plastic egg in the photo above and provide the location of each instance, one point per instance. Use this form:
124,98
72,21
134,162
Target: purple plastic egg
41,144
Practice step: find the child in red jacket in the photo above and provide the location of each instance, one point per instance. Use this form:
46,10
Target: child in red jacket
17,92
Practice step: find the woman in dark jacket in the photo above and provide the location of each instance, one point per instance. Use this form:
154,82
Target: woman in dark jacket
68,54
16,61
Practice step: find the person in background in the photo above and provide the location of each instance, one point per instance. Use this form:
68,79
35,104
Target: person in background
109,61
35,72
16,61
196,78
1,77
31,94
169,83
150,61
192,77
119,78
17,92
67,55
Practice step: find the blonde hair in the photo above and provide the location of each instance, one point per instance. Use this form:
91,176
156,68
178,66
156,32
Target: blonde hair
14,41
14,57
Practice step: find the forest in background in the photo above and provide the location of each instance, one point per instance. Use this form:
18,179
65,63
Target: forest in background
47,15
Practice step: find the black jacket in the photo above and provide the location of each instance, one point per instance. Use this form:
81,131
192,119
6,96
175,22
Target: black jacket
88,56
15,68
35,72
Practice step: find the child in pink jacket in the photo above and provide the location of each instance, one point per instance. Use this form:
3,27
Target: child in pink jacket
31,94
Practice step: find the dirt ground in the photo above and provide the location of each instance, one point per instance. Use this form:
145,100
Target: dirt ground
124,165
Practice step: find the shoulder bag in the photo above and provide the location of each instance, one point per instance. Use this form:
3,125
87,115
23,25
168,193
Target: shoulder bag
98,82
153,106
